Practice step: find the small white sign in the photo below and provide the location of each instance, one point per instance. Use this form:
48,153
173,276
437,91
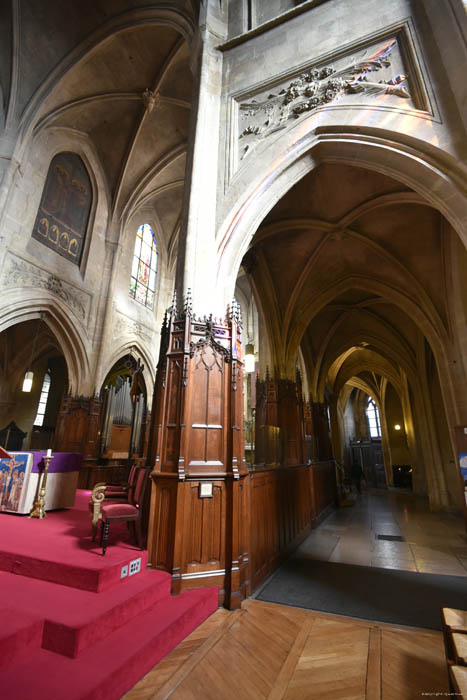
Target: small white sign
205,489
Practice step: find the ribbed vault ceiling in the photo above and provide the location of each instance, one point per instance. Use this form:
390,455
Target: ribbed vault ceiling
350,266
83,68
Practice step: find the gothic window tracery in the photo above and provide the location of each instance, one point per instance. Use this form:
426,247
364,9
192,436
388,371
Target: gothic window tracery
144,267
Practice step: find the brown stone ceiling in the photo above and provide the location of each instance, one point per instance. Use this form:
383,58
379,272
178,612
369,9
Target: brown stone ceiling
350,266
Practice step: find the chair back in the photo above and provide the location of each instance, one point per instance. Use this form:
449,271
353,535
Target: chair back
132,475
136,496
132,481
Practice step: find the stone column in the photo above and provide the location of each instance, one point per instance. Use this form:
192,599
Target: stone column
385,444
197,261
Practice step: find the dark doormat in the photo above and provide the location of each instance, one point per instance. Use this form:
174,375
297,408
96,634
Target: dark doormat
385,595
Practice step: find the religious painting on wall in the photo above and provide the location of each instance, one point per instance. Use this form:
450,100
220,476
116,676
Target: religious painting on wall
63,213
12,472
463,468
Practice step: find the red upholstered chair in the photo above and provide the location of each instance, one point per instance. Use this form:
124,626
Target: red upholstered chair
121,490
104,491
131,511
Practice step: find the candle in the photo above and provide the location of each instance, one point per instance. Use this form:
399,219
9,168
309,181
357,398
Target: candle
49,452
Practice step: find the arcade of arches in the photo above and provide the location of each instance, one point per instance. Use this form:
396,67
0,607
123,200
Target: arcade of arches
170,208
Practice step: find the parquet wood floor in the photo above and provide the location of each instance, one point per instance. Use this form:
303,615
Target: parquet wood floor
273,652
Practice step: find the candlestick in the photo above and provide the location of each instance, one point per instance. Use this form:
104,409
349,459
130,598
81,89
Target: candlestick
39,506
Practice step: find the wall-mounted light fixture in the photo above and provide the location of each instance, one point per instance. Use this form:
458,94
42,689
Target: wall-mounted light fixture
249,359
27,381
397,427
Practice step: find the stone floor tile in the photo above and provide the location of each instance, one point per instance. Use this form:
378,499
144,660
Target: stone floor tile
447,570
434,542
404,565
351,557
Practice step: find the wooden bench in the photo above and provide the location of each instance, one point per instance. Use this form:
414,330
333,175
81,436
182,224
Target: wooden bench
459,647
454,621
455,647
458,681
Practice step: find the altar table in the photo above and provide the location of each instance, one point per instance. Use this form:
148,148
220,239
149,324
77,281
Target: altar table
19,480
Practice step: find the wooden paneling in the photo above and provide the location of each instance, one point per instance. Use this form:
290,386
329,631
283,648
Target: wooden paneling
120,438
197,436
323,489
90,475
279,412
285,504
78,425
308,418
268,446
291,423
162,523
205,523
322,439
280,517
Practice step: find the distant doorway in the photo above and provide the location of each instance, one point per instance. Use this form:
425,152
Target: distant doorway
369,454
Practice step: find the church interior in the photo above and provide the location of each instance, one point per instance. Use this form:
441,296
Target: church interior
233,364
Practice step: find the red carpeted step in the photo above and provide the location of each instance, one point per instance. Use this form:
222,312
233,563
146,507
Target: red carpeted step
76,619
20,633
96,576
111,667
59,548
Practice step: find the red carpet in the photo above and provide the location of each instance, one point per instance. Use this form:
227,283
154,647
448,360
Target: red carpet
59,548
70,627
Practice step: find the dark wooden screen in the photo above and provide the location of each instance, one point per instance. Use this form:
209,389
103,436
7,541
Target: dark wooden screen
63,213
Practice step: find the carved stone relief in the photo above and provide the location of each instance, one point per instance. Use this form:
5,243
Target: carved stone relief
373,73
21,273
126,326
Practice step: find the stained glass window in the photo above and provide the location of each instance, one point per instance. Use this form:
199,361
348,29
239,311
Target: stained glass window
144,267
43,400
372,414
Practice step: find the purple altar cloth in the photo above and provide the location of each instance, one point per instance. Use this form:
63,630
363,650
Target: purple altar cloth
61,462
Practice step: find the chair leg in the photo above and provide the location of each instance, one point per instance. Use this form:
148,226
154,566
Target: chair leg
139,539
105,537
96,516
94,529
